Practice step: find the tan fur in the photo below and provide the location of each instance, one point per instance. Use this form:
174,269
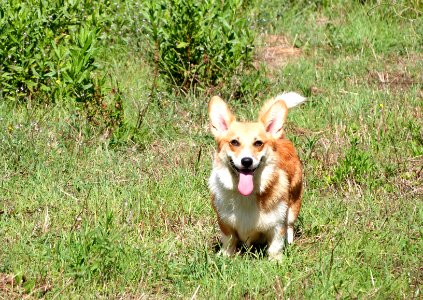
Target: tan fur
275,201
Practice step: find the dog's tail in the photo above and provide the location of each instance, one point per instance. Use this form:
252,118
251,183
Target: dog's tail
291,99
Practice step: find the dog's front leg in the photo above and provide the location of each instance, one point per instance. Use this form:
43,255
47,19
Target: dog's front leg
229,243
276,242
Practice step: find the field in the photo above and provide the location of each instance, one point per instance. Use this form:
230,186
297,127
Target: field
113,203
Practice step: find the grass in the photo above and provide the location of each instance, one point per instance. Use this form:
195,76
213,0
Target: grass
84,215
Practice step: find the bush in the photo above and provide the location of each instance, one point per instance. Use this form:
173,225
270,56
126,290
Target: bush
198,43
49,52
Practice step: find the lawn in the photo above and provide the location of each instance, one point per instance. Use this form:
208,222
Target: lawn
124,212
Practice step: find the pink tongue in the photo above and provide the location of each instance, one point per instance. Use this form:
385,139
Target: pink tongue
245,185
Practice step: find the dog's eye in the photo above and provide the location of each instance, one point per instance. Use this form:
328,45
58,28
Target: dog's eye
258,144
235,143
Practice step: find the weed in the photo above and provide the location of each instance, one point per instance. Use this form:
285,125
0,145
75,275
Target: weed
357,165
92,253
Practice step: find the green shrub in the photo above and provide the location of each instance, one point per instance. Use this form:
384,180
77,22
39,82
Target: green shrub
198,43
89,254
50,52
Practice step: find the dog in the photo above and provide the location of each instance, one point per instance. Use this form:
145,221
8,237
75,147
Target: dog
256,180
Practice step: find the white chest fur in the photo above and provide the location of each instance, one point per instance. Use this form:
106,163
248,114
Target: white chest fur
243,213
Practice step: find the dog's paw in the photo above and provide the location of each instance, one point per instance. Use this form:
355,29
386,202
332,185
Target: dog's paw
226,252
276,256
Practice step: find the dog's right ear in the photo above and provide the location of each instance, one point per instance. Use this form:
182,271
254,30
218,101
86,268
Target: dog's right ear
220,116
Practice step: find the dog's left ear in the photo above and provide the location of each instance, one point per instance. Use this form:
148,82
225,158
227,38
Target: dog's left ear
220,116
273,116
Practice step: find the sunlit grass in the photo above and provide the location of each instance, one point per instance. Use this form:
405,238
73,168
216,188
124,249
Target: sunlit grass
129,216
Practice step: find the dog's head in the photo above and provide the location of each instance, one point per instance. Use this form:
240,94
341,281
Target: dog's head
245,147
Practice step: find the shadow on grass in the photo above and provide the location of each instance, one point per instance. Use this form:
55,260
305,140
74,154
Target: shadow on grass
257,250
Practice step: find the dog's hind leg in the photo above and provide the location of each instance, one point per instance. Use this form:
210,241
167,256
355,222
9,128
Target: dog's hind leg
294,206
292,216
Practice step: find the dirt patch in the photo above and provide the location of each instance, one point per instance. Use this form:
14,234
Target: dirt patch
392,80
275,51
400,73
5,281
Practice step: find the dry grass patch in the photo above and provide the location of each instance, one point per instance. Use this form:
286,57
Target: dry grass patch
20,287
275,51
168,155
397,81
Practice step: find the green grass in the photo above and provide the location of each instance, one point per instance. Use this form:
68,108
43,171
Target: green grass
86,215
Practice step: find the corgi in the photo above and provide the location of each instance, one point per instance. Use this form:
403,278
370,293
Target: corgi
256,180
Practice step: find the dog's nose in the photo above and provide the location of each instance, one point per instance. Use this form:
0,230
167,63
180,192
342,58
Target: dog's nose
246,162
